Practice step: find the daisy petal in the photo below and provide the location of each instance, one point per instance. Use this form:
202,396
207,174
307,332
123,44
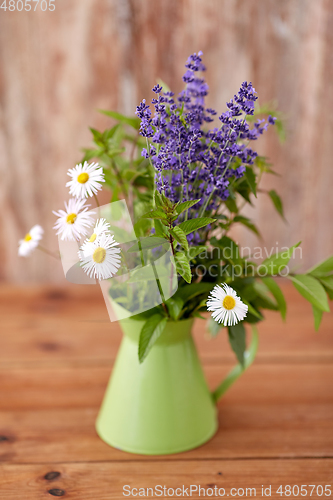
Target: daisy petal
226,307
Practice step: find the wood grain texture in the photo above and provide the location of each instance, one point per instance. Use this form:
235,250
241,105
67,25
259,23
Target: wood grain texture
249,430
82,387
69,326
57,348
57,68
109,478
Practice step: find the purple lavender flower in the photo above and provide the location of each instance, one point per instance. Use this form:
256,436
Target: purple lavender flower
239,171
144,113
190,161
157,89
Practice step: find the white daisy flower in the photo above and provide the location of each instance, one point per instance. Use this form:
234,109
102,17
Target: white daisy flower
30,241
227,307
85,179
73,222
101,226
101,259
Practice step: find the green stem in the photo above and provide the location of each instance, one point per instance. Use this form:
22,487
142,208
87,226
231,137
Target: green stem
48,252
182,187
152,167
122,253
98,206
96,199
171,240
141,254
207,202
217,166
241,206
160,290
120,179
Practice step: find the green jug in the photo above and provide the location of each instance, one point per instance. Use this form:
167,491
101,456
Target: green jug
162,405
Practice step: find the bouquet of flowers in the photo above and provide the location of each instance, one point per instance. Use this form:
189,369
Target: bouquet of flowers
187,175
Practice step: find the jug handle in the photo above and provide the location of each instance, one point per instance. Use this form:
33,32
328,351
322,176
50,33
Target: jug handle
238,370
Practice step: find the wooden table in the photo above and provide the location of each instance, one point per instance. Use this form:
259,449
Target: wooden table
57,347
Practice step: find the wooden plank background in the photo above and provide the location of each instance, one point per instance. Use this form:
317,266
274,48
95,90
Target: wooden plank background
56,354
57,68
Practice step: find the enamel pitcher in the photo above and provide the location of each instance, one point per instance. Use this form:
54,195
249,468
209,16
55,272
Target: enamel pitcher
162,405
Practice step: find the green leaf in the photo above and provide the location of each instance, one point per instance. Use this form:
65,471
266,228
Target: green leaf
109,133
275,264
327,281
145,315
175,306
247,222
242,187
317,315
264,300
197,314
191,225
252,310
202,306
238,370
158,200
251,179
213,327
230,252
237,339
145,181
147,244
323,268
277,202
189,292
97,135
115,152
166,202
151,331
193,252
155,214
129,120
277,294
160,230
89,154
245,288
142,274
131,175
231,205
180,236
312,290
183,267
263,165
185,206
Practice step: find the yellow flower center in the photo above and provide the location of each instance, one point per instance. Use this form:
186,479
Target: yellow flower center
92,238
27,237
228,302
99,255
71,218
82,178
